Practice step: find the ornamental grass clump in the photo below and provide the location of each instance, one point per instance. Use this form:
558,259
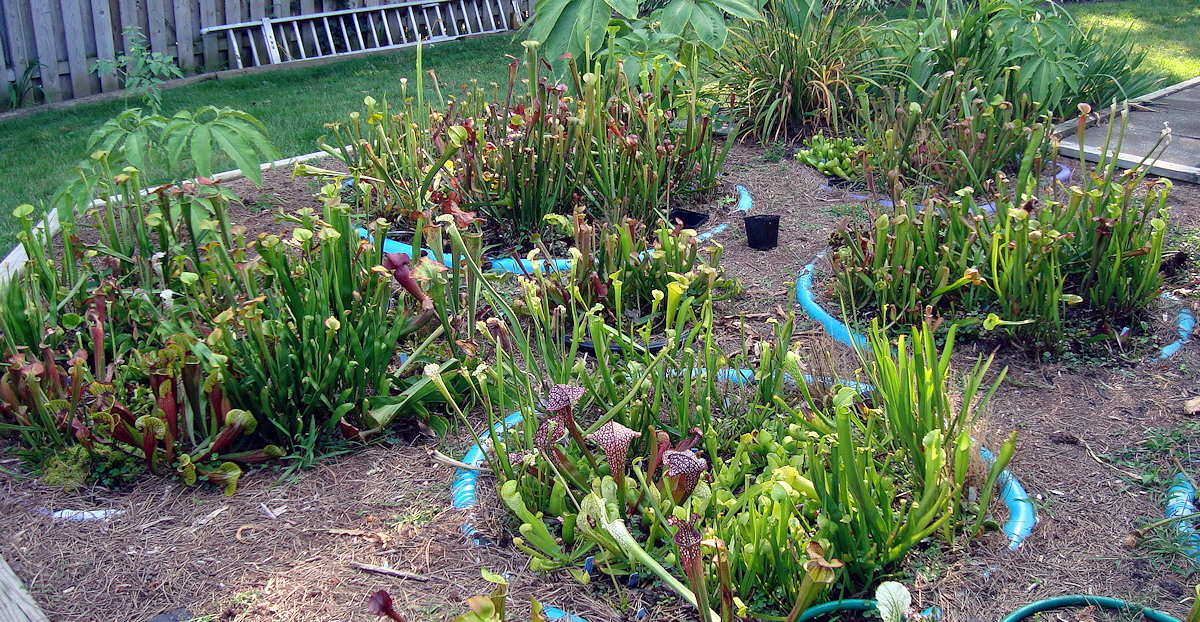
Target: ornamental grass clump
746,500
800,66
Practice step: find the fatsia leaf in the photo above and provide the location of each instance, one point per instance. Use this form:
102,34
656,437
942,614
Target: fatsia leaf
549,13
236,147
591,25
201,150
709,24
226,113
627,9
135,148
556,28
676,16
175,139
106,137
739,8
251,129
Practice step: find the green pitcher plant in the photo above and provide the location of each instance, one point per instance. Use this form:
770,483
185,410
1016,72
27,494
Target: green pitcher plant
624,456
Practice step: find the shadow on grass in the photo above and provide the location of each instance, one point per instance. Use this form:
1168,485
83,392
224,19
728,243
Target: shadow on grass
1169,29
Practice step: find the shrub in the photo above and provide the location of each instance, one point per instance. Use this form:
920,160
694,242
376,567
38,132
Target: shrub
1022,51
675,31
184,145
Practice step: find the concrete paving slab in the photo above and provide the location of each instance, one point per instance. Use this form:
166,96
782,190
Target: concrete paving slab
1177,106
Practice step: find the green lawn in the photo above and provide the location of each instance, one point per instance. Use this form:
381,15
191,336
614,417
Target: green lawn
294,103
1169,29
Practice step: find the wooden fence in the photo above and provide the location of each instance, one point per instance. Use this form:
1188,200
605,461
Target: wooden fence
62,39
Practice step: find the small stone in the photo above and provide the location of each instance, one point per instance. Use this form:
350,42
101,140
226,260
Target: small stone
179,615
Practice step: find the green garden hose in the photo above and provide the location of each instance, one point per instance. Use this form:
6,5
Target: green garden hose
850,604
863,604
1080,601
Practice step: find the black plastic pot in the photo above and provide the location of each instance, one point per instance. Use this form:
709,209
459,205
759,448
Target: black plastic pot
762,232
653,347
690,219
852,185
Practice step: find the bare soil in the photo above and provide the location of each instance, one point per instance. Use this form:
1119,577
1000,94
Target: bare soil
1090,452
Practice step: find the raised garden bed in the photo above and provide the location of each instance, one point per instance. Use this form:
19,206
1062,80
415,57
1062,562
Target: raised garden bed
377,509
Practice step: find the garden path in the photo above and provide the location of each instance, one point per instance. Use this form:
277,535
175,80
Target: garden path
1177,106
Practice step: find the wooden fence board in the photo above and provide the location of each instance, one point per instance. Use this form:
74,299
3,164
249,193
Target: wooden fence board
47,49
208,18
233,14
19,52
6,63
6,71
156,17
129,17
105,46
185,32
233,11
78,32
66,37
